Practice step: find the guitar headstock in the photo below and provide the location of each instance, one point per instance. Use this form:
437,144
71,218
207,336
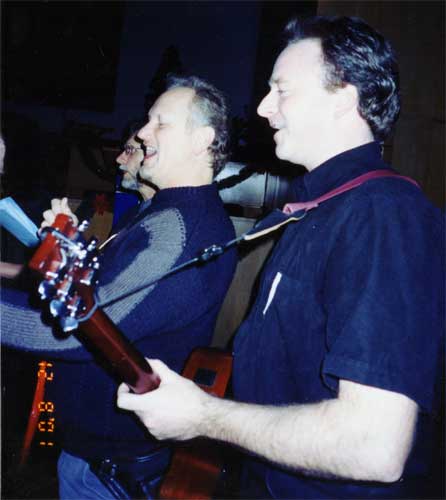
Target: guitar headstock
69,266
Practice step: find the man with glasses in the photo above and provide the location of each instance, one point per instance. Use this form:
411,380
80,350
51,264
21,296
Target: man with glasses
185,145
129,160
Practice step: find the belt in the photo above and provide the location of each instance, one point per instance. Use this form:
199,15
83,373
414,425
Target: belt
136,477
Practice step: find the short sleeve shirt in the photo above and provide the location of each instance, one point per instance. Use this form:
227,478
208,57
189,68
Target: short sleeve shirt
352,291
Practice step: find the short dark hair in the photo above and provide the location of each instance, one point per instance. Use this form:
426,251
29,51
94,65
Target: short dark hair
210,108
355,53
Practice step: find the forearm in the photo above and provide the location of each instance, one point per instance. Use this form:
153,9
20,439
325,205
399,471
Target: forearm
9,270
365,433
295,437
325,439
22,328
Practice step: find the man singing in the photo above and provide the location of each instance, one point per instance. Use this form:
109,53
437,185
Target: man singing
337,367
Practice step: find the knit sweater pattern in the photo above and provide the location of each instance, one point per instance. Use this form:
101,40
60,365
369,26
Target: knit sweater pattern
165,320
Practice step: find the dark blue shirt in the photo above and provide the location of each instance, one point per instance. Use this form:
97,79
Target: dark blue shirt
353,291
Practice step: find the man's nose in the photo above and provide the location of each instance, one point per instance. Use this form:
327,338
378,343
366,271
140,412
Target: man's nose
267,106
122,158
145,133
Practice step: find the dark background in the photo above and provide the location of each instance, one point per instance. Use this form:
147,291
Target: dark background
77,74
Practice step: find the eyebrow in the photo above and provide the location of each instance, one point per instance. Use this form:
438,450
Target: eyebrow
156,115
277,80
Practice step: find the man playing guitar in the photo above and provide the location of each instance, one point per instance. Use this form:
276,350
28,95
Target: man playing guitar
185,145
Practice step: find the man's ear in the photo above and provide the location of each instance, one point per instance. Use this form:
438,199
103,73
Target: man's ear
203,138
347,100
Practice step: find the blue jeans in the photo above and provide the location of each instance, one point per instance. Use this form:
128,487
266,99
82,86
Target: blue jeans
76,481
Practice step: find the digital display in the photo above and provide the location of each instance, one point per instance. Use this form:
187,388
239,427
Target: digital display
47,421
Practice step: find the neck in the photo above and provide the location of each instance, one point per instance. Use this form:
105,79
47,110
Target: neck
146,192
192,175
344,141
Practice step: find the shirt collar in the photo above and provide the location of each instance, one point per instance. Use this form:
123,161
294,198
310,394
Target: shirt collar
340,169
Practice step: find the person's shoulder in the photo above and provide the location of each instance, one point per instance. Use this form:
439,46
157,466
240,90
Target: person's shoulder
387,204
396,193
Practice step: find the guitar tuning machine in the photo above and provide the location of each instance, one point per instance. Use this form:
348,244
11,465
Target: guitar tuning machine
66,312
92,245
69,323
46,289
83,226
88,277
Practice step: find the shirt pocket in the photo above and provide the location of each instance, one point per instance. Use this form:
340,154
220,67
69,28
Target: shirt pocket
293,326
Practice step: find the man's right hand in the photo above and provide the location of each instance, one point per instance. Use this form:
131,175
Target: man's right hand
57,207
173,411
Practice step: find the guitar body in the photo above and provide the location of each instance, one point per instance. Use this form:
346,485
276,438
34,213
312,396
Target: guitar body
197,465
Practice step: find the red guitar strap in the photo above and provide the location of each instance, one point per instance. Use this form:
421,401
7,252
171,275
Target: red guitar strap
289,208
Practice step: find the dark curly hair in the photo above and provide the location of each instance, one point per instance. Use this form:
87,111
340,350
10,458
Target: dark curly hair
209,108
355,53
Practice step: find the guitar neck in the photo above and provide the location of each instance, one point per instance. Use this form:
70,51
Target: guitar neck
58,260
129,364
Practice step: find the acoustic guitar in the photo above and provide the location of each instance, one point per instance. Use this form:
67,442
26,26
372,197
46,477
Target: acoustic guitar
69,268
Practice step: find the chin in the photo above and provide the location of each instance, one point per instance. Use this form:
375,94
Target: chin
144,174
281,154
128,181
288,155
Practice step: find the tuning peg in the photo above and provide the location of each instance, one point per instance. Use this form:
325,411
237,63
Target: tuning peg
46,290
87,276
92,244
69,323
95,263
58,308
83,226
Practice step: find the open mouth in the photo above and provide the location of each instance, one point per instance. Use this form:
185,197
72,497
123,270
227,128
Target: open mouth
149,152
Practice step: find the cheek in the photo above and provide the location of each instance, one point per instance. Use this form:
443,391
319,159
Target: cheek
171,145
291,111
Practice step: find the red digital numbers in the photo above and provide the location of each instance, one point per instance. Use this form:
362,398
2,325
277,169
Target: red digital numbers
42,372
47,421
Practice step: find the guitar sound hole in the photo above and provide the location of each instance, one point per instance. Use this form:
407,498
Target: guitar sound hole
205,377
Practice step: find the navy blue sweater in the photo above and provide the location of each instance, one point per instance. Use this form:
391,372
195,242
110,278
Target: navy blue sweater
166,320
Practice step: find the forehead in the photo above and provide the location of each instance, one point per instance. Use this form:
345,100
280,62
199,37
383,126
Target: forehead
299,60
175,100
